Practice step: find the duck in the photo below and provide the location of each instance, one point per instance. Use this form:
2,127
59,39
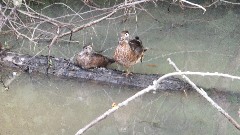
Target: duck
89,59
129,51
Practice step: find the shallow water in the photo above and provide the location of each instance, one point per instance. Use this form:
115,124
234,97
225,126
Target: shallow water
37,104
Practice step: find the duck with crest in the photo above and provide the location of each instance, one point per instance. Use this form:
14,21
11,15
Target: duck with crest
87,58
129,52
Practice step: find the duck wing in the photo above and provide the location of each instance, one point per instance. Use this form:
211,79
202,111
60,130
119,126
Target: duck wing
136,45
101,59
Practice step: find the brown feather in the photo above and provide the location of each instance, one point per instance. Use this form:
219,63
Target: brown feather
88,59
130,52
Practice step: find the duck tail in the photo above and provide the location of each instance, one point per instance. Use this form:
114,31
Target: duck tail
138,40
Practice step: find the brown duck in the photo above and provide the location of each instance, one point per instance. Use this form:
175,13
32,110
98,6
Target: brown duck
129,52
89,59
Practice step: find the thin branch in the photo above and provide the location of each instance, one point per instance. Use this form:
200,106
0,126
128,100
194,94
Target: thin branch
193,4
50,45
233,3
142,8
110,111
43,18
204,94
88,24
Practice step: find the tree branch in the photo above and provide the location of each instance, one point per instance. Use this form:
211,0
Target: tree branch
204,94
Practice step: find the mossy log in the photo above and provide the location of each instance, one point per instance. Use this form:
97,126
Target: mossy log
64,68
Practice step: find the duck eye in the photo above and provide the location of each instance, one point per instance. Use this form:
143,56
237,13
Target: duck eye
126,34
89,48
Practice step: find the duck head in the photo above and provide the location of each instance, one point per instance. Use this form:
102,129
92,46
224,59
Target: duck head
125,35
87,49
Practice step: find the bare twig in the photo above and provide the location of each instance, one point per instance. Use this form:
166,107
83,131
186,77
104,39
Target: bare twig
193,4
66,23
233,3
88,24
204,94
38,19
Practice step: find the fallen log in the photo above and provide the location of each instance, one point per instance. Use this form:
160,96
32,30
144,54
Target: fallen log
65,68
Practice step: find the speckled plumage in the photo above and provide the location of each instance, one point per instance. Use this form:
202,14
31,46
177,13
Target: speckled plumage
89,59
129,52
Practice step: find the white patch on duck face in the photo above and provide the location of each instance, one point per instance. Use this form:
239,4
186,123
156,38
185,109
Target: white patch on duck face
126,35
88,49
22,59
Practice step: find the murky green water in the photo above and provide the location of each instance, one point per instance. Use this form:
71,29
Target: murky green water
46,105
37,104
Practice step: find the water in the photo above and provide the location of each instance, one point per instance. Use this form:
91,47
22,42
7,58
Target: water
37,104
49,105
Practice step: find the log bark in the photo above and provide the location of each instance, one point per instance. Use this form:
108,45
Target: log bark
64,68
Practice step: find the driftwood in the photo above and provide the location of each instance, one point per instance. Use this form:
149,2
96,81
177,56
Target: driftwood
65,68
